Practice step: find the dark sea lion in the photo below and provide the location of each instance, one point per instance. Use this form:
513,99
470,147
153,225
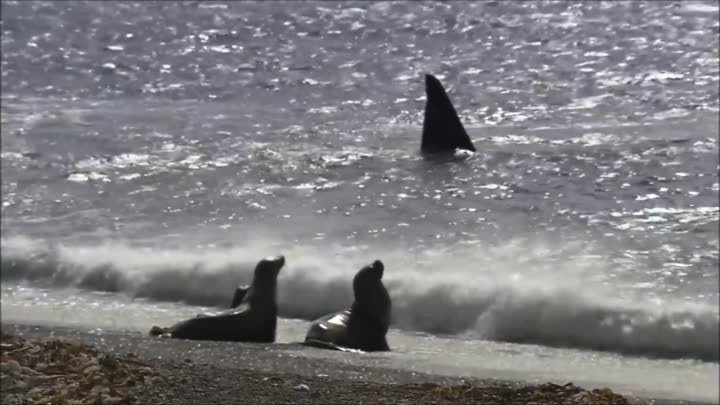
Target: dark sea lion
365,324
240,293
254,319
442,130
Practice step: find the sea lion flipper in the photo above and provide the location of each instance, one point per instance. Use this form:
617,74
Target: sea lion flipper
321,344
157,331
204,315
240,293
329,345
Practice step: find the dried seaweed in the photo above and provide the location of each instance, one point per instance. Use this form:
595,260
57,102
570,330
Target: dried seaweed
59,372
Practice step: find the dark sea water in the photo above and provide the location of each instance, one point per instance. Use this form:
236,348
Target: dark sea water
153,151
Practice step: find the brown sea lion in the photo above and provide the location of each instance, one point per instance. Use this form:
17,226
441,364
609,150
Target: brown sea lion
365,324
254,319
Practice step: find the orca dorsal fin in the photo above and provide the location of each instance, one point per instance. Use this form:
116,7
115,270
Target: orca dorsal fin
442,129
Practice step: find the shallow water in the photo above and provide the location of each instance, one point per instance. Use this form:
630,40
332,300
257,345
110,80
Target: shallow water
154,151
412,352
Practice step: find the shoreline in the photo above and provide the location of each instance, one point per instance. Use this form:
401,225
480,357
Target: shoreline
231,373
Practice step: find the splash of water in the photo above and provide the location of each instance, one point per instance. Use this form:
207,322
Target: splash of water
514,292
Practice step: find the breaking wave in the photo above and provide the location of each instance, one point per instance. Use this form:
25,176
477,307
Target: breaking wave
502,293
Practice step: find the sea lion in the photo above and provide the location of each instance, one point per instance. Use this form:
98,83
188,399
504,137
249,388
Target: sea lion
253,320
365,324
442,130
240,293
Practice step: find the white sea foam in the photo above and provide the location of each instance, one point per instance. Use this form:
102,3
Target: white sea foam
507,293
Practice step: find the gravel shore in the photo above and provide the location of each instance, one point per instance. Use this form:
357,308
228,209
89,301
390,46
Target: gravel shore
191,372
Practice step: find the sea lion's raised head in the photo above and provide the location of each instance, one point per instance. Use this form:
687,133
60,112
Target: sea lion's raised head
268,268
368,279
376,269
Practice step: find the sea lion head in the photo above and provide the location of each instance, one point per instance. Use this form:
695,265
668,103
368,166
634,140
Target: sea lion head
367,284
267,269
264,282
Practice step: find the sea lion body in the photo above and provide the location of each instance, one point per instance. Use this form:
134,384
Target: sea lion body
365,324
240,293
330,331
254,319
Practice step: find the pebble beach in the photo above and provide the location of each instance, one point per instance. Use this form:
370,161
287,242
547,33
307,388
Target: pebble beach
75,366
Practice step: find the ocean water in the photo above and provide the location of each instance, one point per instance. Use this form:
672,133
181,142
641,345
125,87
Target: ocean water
152,152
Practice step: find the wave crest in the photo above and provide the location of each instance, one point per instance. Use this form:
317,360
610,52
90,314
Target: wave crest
537,306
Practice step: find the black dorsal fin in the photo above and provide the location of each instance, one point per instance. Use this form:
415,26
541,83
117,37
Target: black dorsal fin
442,129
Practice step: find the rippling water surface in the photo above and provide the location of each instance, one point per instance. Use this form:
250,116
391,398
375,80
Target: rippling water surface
153,151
